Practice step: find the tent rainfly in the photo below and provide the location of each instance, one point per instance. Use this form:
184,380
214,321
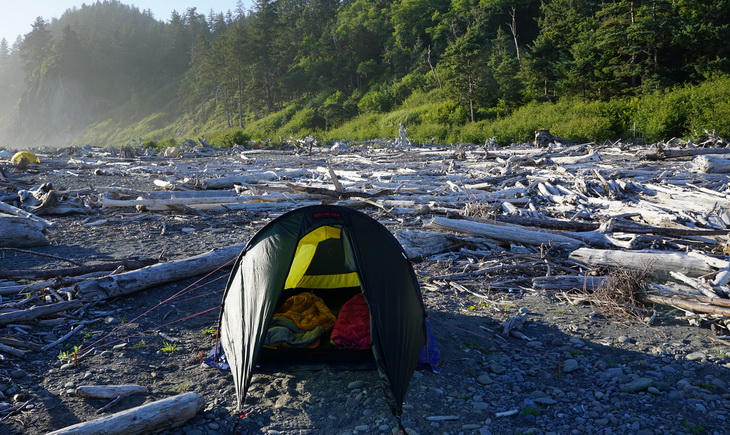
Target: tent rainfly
335,253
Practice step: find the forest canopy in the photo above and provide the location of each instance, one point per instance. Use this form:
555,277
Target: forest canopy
459,70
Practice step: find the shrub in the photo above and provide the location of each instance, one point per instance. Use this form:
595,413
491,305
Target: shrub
710,109
429,133
231,138
166,143
377,100
662,115
407,85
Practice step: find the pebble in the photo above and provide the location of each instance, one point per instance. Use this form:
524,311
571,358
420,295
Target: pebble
570,365
17,374
637,385
545,401
577,342
355,384
485,379
497,369
696,356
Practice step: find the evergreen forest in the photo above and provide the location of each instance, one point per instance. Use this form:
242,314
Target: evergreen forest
450,71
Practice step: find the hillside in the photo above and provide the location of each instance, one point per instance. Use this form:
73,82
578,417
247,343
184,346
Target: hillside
467,71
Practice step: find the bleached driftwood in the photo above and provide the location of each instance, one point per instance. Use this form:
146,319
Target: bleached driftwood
163,414
15,211
505,233
40,311
420,244
11,350
684,304
568,282
659,262
543,138
711,165
108,391
21,232
255,178
661,153
151,276
191,202
570,160
76,271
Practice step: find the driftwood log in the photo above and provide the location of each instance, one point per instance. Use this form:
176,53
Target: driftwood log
108,391
75,271
711,164
151,276
36,312
164,414
11,350
684,304
421,244
655,262
15,211
505,233
21,232
661,153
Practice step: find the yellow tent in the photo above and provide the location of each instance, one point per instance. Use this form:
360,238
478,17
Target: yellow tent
25,156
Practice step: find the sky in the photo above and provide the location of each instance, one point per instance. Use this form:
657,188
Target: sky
18,15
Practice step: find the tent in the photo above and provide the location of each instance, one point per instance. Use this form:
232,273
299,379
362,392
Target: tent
334,253
26,157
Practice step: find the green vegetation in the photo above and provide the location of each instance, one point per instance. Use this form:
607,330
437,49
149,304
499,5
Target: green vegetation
694,429
186,385
70,356
140,344
169,347
450,71
530,410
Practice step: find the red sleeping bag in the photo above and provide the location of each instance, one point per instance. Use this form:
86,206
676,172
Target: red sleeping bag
352,327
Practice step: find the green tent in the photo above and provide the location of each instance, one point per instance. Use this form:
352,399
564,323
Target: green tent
334,252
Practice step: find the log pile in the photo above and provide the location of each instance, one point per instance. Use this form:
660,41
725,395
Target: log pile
555,216
597,206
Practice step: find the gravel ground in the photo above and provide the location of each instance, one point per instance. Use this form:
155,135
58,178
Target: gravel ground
579,373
